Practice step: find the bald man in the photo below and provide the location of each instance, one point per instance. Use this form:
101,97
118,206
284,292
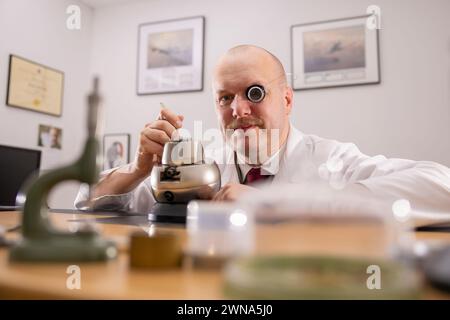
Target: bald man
253,102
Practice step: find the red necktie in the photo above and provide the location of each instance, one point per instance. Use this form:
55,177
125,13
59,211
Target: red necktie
254,175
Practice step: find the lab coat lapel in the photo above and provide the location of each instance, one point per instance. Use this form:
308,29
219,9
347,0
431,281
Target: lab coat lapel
285,173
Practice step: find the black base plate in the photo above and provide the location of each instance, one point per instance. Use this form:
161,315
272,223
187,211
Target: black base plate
168,213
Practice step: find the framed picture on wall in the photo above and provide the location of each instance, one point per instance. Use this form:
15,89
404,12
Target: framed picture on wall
49,137
334,53
116,150
34,86
170,56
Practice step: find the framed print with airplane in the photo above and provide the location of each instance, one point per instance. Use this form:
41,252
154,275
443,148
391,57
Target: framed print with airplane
334,53
170,56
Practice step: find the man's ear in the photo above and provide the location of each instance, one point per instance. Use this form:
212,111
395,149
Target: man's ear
288,98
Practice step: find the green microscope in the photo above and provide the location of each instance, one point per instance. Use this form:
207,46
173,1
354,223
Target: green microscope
40,240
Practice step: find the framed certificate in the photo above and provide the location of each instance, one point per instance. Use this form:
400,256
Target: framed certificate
334,53
170,56
34,86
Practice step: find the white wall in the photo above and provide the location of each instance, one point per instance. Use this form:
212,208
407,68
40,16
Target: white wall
407,115
36,30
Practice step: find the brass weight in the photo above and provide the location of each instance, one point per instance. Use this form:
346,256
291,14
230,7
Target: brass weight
160,250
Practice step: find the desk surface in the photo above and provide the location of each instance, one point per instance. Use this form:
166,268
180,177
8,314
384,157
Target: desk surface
116,280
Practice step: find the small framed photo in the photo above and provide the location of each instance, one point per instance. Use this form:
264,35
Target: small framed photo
170,56
116,150
49,137
34,86
334,53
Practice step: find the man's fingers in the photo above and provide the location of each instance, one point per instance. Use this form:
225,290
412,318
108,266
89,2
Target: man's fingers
156,135
220,195
150,147
175,120
217,196
164,126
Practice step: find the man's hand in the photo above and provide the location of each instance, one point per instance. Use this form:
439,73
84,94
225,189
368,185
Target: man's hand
231,192
152,139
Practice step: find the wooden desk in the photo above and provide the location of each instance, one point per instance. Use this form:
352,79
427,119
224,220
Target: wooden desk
116,280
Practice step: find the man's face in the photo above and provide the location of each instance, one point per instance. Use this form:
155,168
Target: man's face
54,135
259,127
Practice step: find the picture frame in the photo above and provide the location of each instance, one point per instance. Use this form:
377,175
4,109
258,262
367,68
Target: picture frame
170,56
116,150
334,53
34,86
49,137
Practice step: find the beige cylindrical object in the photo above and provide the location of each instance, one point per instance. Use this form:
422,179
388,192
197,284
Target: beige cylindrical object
158,251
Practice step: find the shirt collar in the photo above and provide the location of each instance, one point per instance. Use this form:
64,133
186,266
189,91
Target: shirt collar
269,167
294,138
272,165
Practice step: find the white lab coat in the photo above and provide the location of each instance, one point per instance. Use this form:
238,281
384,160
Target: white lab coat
308,159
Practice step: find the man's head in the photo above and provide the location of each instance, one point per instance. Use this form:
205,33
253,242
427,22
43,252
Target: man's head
245,73
54,136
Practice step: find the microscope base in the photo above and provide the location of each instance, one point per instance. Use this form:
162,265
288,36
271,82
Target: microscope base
63,249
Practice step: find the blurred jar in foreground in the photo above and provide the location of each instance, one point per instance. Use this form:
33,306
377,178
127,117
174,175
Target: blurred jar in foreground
295,219
315,242
218,232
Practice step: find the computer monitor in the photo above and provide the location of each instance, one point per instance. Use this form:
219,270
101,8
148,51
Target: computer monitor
16,165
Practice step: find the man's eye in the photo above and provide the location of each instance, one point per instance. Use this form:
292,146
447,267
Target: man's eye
225,100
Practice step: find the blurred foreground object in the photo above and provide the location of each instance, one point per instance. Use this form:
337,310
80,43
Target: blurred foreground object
316,277
437,268
332,244
41,241
218,232
350,222
159,250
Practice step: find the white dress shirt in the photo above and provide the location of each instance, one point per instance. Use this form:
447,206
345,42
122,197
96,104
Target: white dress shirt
308,159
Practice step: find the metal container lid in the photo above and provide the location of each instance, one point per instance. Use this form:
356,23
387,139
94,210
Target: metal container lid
182,152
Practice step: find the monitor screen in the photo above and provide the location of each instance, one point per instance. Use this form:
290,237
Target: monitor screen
16,165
